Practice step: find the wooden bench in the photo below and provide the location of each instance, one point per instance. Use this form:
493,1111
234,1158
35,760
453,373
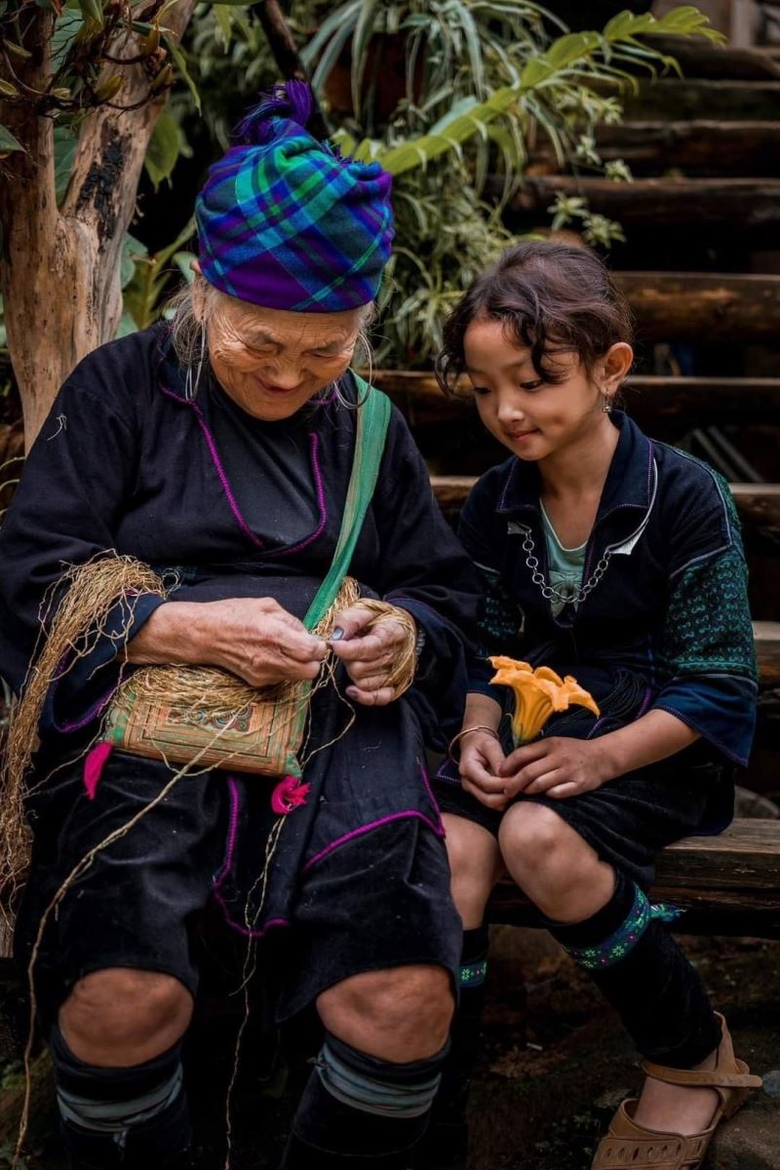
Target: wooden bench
727,885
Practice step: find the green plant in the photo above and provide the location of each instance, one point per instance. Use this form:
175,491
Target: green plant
484,81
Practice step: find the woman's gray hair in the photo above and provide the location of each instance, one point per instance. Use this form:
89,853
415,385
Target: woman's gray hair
188,329
187,333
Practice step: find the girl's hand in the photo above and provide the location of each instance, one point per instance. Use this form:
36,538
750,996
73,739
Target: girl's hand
370,655
481,761
558,766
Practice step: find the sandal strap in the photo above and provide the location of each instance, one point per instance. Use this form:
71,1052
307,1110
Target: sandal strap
710,1078
629,1144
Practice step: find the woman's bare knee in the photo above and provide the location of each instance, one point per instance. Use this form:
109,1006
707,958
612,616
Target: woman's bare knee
120,1017
475,864
399,1014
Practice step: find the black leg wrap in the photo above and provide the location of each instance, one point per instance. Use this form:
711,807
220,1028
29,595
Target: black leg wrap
658,994
134,1118
662,1001
374,1123
445,1144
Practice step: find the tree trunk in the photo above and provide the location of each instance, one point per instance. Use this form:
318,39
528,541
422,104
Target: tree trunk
60,277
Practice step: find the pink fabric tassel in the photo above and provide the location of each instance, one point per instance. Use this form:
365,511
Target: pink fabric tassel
289,794
93,766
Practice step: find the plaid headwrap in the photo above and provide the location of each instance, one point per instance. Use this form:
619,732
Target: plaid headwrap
286,223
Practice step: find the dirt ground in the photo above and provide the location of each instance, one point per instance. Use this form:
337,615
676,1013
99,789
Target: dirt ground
555,1062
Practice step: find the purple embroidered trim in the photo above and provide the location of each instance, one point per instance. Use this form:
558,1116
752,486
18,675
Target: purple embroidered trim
646,701
410,813
227,865
429,790
93,713
230,845
223,479
231,499
321,504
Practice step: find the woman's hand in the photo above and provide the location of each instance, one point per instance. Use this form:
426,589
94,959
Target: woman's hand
558,766
370,655
254,638
481,761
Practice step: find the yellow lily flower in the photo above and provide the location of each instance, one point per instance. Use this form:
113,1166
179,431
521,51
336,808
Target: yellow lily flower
538,693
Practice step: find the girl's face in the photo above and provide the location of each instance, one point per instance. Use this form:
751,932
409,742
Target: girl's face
533,418
270,361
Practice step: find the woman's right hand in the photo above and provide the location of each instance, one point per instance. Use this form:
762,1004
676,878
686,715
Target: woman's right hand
481,757
254,638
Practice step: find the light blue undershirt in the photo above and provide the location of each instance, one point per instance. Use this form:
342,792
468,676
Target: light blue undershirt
565,564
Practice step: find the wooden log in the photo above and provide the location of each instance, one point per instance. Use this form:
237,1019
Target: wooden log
647,398
696,147
767,635
757,503
674,99
747,209
728,884
699,59
674,306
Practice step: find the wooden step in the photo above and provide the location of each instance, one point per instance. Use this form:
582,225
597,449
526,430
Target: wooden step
672,306
725,400
729,884
757,503
674,99
767,635
695,147
700,59
743,209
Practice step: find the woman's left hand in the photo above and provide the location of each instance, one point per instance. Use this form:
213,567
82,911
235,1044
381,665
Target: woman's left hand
369,655
558,766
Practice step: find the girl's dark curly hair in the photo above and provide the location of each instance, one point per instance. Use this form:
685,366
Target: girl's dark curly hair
551,297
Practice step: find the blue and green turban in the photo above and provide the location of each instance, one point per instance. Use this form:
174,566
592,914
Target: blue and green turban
285,222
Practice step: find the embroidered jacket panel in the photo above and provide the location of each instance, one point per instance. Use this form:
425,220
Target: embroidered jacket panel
668,598
127,463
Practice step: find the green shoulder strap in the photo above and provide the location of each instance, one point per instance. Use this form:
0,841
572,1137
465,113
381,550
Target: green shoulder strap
373,417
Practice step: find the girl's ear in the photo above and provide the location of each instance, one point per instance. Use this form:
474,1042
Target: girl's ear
615,366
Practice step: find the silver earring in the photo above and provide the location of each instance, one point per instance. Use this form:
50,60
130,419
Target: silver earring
606,405
192,381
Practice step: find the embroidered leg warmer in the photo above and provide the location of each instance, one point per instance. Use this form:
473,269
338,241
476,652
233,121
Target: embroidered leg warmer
645,975
135,1118
361,1113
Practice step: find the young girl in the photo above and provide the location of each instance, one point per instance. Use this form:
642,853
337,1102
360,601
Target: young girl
618,560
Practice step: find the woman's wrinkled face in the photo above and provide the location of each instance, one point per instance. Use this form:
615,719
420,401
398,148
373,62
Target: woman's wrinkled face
271,361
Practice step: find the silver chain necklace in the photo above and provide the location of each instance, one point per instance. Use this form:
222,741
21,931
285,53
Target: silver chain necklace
549,591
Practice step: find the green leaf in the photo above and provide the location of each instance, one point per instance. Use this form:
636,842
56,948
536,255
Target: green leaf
7,141
177,53
224,24
131,250
92,10
364,30
163,150
184,262
572,47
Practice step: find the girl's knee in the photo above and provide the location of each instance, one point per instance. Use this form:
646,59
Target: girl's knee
475,865
532,835
120,1016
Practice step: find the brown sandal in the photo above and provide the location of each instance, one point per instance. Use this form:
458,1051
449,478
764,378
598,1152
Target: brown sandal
629,1144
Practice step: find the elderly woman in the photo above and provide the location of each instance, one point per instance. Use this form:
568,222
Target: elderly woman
217,451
